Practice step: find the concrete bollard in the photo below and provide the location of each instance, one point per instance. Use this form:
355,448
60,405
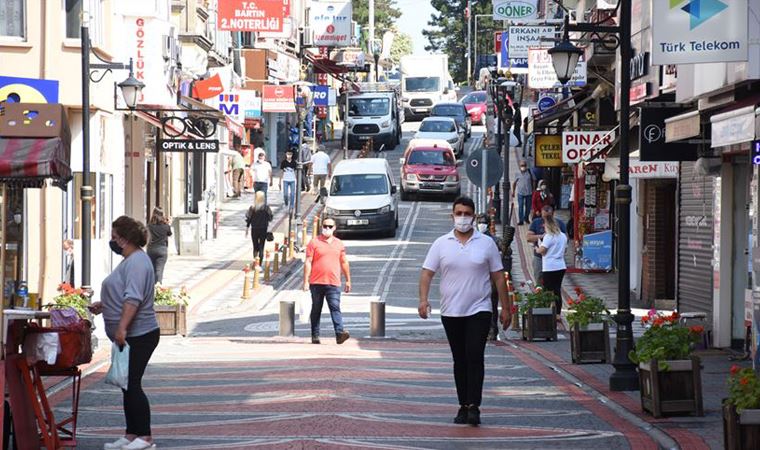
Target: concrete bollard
291,246
266,266
315,227
304,236
513,300
377,319
246,283
287,318
276,260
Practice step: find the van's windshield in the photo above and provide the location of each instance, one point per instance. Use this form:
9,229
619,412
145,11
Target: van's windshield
368,106
359,184
422,84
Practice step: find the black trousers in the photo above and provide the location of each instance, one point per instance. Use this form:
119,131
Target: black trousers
259,238
158,257
467,339
136,406
553,282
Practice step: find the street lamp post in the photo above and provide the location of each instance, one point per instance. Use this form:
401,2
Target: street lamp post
625,377
130,89
304,98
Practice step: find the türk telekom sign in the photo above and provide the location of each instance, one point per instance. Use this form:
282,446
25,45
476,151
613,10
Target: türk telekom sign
277,98
331,23
578,146
251,15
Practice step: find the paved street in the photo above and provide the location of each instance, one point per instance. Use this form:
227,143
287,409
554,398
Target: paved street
233,384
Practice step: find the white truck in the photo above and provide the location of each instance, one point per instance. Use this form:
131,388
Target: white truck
374,112
425,81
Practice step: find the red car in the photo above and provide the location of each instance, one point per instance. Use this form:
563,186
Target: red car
475,104
429,167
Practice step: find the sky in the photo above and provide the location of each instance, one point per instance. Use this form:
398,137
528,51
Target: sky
414,18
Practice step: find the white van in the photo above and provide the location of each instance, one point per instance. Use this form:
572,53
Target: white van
362,197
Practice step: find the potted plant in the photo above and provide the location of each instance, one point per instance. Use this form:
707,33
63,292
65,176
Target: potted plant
538,314
670,379
70,297
741,410
171,310
74,329
588,318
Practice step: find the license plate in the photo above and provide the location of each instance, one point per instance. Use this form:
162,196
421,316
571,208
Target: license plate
353,222
432,186
364,138
421,110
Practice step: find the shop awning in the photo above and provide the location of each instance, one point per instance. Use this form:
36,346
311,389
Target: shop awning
28,162
562,110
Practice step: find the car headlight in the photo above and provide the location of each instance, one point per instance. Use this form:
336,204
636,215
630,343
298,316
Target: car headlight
330,211
349,123
452,178
453,140
385,124
411,177
385,209
405,99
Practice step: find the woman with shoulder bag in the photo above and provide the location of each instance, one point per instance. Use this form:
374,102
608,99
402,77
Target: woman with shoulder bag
257,219
158,246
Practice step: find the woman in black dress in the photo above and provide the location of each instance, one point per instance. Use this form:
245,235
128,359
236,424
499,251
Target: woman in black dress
257,219
158,247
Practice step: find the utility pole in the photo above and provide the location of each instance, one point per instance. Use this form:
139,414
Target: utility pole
468,16
299,162
371,32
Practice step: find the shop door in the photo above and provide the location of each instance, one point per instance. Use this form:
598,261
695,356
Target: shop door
741,278
658,253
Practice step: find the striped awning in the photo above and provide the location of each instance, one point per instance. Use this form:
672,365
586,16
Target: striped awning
28,162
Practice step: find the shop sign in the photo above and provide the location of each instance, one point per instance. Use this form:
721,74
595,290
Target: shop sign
541,73
733,127
639,66
28,90
545,103
208,88
518,10
321,95
641,169
597,251
606,4
669,78
587,115
250,104
331,23
699,31
253,16
653,145
515,65
756,153
188,145
580,145
682,127
278,98
497,42
522,38
639,92
548,150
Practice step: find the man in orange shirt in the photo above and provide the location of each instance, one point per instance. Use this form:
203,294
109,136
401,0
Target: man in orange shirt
325,260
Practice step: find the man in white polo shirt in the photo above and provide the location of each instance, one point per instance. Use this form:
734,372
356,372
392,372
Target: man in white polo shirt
468,262
321,166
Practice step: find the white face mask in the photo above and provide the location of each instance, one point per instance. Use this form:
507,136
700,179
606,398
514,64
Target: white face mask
327,232
482,227
463,224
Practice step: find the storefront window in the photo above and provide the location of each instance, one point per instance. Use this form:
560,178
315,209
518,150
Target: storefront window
12,199
76,207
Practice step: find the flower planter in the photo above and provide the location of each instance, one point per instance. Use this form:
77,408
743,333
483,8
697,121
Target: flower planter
590,343
539,323
172,319
677,390
740,431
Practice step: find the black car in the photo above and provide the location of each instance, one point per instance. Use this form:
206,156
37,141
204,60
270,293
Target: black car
456,111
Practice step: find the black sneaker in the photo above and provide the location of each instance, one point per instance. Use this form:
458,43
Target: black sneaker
315,340
341,337
461,415
473,415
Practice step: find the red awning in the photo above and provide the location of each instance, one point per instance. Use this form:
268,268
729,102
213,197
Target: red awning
28,162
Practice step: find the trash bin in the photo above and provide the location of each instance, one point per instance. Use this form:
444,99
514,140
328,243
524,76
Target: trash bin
187,234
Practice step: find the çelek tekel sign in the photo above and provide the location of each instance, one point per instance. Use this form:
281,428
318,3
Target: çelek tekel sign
699,31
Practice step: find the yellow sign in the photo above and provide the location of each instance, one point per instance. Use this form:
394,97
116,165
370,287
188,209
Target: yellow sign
549,151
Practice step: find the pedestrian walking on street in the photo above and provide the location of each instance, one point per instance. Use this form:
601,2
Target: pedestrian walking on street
305,161
468,263
238,173
523,188
541,197
535,233
288,167
261,172
325,261
321,168
257,219
552,248
126,302
158,245
484,227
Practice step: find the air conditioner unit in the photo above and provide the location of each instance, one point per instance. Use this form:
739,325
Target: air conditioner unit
308,37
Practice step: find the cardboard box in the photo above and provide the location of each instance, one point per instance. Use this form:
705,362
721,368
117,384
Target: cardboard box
34,120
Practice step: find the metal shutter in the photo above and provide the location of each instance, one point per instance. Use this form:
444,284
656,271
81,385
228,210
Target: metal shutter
695,241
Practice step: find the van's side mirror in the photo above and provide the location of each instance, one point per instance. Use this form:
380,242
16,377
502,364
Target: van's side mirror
393,189
401,161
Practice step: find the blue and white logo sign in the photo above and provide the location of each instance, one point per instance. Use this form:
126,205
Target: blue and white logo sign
518,10
545,103
515,65
699,31
321,95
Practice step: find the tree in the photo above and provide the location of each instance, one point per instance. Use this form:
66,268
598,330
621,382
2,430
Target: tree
386,14
402,45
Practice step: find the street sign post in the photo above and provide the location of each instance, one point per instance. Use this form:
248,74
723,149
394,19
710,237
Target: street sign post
484,168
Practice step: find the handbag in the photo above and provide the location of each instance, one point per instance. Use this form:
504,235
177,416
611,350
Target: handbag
270,236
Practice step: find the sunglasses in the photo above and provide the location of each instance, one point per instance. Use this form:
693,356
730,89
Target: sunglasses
328,226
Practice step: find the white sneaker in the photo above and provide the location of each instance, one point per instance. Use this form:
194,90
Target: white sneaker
138,444
117,444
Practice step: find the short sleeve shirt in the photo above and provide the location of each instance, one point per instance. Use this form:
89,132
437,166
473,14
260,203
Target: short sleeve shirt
537,227
288,169
465,272
524,182
132,281
555,245
326,258
262,171
320,162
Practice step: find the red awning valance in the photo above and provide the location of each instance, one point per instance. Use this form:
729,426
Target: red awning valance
28,162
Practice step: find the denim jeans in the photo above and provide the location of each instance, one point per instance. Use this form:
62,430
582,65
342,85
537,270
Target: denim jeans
289,193
320,292
523,203
260,186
